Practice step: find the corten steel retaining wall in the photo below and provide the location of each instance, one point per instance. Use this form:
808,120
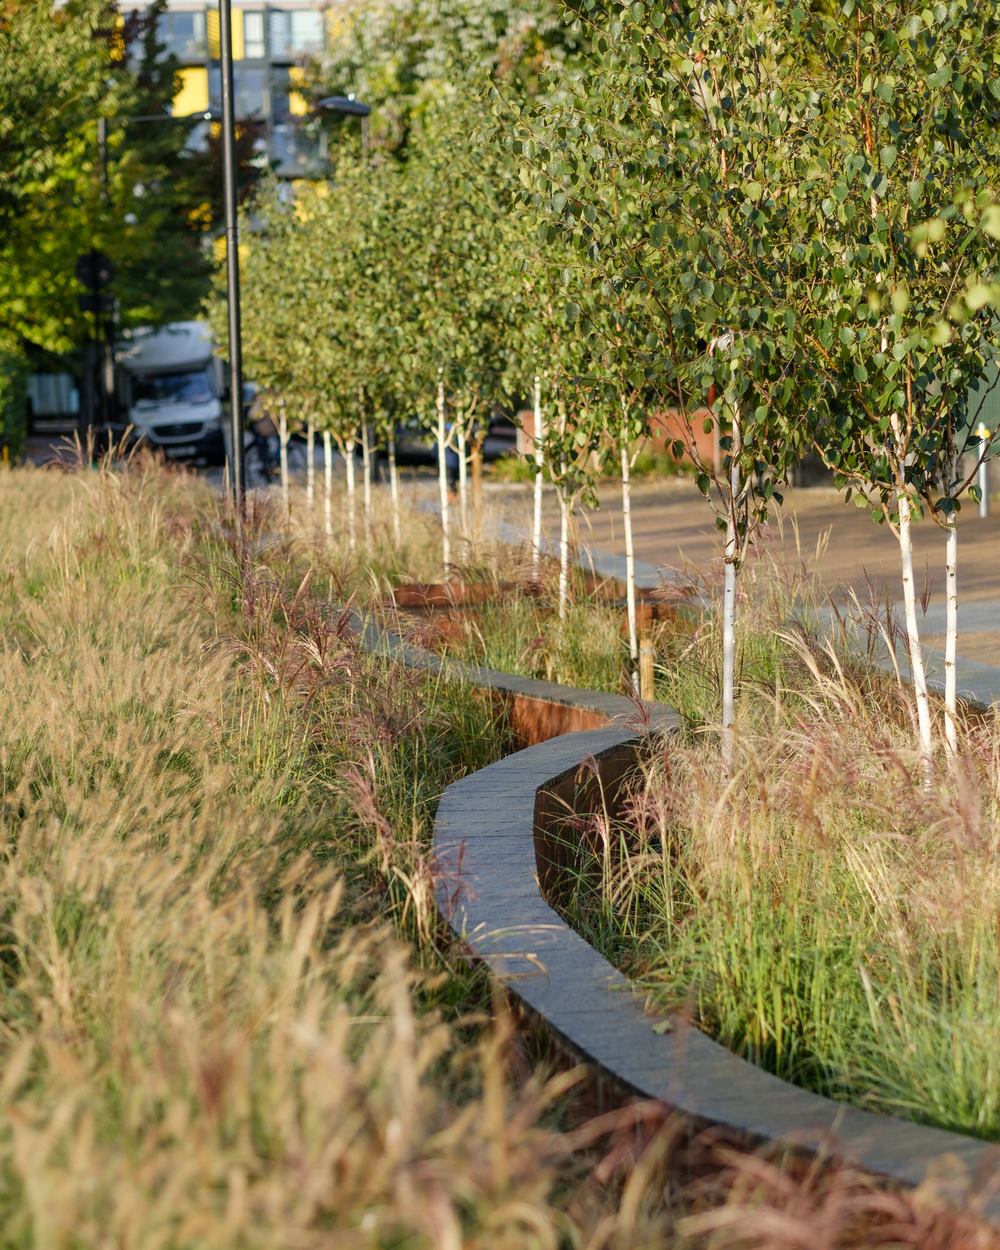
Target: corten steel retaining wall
496,849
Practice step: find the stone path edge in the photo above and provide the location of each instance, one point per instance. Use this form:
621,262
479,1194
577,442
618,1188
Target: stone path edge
486,849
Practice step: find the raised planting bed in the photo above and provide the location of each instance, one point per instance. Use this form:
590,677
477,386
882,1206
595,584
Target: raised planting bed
497,844
443,615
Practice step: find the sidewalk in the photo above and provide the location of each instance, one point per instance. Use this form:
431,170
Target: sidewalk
674,535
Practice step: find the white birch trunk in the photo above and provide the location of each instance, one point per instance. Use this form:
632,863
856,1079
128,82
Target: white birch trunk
536,527
917,669
729,604
951,637
310,467
394,487
328,484
729,649
463,480
630,595
366,463
563,555
283,443
352,497
443,482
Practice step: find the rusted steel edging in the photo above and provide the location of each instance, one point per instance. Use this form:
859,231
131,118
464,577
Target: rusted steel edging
490,849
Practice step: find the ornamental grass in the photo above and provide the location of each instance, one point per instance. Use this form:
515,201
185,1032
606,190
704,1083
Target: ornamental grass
228,1017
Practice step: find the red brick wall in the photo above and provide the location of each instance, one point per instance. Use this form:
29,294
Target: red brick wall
665,428
668,426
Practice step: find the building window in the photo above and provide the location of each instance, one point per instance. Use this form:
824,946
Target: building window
249,90
250,87
254,48
183,35
295,32
279,93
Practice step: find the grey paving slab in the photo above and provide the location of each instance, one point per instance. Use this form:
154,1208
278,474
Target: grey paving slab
978,683
977,616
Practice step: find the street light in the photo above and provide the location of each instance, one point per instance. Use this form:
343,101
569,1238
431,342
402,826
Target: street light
237,466
348,106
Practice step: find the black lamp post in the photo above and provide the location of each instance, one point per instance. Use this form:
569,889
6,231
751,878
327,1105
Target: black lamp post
237,466
348,106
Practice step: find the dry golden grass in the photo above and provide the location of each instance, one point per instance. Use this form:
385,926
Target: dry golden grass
211,1038
200,1048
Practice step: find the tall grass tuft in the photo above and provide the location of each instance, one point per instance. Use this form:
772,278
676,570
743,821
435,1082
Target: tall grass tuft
209,1037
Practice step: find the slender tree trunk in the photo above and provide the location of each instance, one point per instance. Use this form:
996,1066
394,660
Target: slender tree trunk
328,484
630,595
394,487
563,554
443,482
352,496
283,443
366,462
310,467
463,479
647,679
913,634
476,461
536,527
729,602
951,637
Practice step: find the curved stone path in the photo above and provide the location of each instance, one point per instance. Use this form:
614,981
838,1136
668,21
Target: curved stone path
493,850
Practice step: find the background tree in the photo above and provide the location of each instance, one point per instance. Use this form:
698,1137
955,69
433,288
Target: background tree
145,214
50,75
50,72
412,59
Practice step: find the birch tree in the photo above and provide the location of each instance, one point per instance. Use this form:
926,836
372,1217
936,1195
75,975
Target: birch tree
900,318
699,116
449,225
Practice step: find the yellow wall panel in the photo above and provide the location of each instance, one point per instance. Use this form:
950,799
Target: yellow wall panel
297,104
214,37
237,34
212,32
193,95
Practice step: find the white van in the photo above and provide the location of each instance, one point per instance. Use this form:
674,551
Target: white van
170,386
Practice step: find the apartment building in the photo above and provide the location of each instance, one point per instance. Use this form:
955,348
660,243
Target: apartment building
271,43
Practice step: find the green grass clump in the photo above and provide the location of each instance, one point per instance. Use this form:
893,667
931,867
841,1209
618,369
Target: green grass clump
518,635
827,915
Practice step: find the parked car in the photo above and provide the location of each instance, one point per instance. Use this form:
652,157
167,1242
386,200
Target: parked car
170,388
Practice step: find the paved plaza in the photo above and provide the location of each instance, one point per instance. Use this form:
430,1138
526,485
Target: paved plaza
674,534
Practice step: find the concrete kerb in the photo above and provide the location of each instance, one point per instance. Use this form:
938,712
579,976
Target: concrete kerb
490,847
